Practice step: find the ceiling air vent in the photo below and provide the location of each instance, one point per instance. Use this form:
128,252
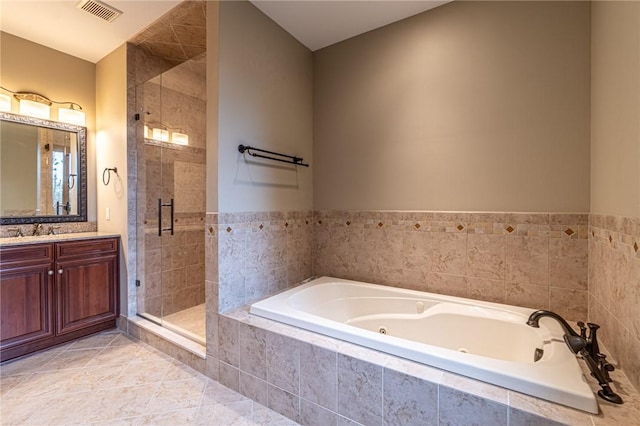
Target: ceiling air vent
99,9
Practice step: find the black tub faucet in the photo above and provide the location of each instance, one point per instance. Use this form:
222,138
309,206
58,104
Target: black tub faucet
534,318
585,346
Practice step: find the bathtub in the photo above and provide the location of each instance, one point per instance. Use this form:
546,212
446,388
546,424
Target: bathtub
486,341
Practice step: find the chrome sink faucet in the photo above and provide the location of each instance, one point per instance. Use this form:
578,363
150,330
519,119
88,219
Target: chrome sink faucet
52,230
585,346
17,230
37,229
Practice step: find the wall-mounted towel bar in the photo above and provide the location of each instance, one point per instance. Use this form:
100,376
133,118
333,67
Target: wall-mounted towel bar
290,159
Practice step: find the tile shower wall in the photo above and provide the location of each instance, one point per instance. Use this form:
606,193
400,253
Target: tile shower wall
537,260
261,253
614,288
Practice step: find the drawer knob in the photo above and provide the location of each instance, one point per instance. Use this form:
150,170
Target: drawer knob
51,272
60,271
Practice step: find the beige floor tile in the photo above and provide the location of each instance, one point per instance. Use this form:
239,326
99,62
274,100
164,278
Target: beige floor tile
28,364
97,341
93,378
177,394
172,418
149,354
215,393
9,382
135,374
70,359
180,371
125,383
115,355
117,403
123,340
232,414
264,416
131,421
21,412
42,384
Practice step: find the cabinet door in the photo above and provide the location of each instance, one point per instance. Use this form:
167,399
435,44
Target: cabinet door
26,304
86,292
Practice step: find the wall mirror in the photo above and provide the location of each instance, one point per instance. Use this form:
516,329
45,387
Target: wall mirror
43,171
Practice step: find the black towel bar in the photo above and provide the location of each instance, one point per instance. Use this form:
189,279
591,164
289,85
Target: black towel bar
291,158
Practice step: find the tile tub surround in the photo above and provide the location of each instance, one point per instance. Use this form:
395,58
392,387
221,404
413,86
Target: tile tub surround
113,379
536,260
614,287
318,380
260,253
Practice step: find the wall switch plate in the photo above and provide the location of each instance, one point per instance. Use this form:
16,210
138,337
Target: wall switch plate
108,213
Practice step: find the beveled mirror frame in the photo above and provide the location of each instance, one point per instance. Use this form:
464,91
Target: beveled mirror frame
82,172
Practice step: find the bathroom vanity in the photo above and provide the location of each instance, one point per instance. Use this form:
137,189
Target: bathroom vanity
57,288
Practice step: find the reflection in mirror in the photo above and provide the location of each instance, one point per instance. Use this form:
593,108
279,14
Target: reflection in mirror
42,171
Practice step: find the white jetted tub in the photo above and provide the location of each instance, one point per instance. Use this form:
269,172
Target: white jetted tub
487,341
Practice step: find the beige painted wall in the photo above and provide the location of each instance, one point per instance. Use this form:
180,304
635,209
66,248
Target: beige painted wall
469,106
265,100
213,13
111,150
615,108
27,66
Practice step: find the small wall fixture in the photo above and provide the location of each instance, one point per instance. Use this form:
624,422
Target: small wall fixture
106,175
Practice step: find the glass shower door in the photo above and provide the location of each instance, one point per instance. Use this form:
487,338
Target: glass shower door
171,199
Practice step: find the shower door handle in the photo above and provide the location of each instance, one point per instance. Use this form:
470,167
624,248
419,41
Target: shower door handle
160,206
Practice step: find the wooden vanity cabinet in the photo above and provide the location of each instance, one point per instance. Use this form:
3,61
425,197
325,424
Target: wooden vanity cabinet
26,296
51,293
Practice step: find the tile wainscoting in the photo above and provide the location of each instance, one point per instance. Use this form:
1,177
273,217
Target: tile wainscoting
536,260
301,374
260,253
614,288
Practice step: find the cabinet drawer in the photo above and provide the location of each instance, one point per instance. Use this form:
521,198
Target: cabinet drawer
85,248
26,255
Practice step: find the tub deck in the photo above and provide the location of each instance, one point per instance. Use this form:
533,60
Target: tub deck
486,341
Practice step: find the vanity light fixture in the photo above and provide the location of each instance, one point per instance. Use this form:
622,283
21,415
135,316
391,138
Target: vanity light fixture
39,106
72,115
34,105
5,103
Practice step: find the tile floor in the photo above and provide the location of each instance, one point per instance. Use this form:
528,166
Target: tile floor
193,320
112,379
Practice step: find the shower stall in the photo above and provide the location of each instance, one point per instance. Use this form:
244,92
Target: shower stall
171,134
